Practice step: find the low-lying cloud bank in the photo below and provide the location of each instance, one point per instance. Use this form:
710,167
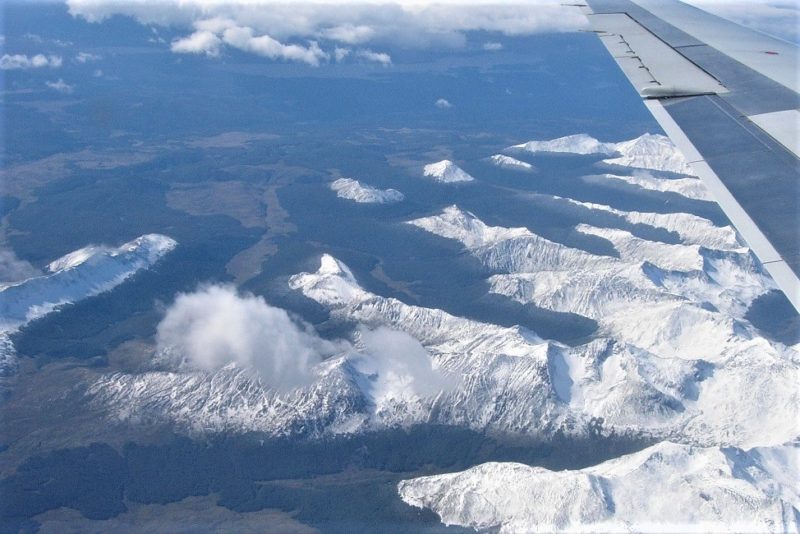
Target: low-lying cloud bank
293,31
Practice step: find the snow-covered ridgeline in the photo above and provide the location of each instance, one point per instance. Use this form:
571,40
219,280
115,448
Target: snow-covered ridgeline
645,300
572,144
509,381
507,162
691,229
351,189
665,488
647,151
688,187
503,249
77,275
80,274
446,172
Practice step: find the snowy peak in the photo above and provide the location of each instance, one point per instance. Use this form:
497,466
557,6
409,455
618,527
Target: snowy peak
446,171
650,151
573,144
507,162
464,226
83,273
351,189
149,247
504,249
707,489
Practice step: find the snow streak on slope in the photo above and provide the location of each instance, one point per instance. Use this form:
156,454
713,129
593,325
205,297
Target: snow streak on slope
665,488
507,162
688,187
647,151
350,189
446,172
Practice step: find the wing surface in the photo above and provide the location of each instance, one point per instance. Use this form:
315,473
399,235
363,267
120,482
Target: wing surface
727,96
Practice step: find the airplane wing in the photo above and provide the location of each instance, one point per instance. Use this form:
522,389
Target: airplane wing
727,96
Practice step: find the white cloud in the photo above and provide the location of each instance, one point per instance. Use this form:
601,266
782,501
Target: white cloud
349,33
266,27
340,53
200,42
216,326
492,46
98,73
22,61
779,18
13,269
376,57
61,86
443,104
399,364
86,57
243,38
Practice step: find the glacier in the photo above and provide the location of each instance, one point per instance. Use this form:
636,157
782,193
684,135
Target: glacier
350,189
446,172
668,487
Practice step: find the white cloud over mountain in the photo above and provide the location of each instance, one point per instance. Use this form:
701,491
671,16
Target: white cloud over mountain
215,326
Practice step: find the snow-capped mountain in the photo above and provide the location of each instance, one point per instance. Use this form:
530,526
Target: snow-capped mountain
691,229
80,274
77,275
665,488
507,162
508,381
573,144
678,311
648,151
688,187
351,189
446,172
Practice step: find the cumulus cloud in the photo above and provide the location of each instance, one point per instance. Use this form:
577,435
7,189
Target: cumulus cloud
211,34
216,326
376,57
61,86
86,57
200,42
267,27
399,364
492,46
22,61
349,33
339,53
443,103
